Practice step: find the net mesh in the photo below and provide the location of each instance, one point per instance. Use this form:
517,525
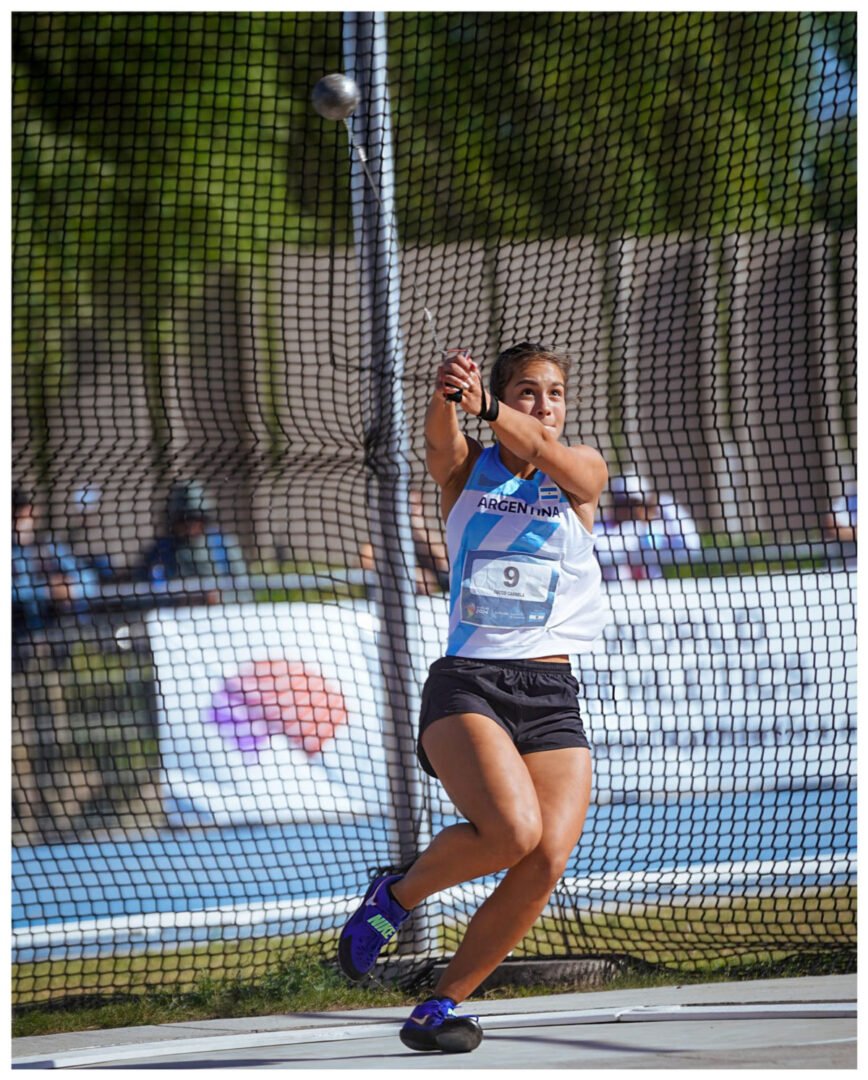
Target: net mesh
228,565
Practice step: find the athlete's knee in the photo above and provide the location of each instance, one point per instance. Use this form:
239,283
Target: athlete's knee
515,837
547,863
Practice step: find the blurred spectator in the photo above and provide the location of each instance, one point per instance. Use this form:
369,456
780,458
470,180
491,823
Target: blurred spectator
638,525
47,579
84,517
673,522
192,545
47,582
432,562
839,524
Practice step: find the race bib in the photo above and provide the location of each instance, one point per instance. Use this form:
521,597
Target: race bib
508,590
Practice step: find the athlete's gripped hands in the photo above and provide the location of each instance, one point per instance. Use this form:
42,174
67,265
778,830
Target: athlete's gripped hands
460,372
449,452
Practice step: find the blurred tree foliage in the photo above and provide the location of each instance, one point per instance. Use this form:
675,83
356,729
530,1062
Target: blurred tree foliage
147,147
590,123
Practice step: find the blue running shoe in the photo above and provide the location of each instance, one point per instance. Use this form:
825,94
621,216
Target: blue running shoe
371,927
435,1025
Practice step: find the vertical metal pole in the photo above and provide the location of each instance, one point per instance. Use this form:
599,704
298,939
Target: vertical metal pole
386,430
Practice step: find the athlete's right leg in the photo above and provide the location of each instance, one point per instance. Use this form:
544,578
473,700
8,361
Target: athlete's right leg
488,781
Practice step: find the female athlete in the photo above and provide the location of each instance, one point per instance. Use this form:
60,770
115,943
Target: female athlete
500,725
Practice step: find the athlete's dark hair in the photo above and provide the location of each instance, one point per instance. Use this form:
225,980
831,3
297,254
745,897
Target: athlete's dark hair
514,358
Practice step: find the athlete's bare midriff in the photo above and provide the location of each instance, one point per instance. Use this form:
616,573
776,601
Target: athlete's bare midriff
551,659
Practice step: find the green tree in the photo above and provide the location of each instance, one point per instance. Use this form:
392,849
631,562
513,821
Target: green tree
566,123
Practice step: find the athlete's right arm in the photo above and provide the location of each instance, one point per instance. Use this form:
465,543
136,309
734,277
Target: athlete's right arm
449,453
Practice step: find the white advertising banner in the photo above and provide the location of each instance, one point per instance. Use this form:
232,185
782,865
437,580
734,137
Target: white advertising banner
269,713
724,684
273,712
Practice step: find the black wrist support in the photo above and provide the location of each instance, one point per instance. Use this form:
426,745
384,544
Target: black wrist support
490,408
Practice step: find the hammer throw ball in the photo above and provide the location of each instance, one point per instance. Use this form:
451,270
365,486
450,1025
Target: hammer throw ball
335,96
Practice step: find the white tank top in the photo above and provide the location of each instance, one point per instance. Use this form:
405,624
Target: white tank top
524,580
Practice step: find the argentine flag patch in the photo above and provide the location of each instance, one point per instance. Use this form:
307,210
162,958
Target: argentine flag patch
549,493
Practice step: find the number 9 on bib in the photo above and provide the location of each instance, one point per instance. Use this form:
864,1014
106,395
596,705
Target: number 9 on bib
507,589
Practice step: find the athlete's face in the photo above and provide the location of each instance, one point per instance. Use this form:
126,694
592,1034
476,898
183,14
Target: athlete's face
538,389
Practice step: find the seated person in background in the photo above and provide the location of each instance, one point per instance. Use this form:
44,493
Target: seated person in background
432,563
84,516
47,579
192,546
637,525
839,524
675,524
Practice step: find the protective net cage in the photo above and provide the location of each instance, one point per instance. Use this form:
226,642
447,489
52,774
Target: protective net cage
228,574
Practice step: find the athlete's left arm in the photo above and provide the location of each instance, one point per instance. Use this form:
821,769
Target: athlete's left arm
578,470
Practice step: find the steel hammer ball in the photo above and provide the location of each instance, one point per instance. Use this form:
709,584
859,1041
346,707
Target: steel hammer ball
335,96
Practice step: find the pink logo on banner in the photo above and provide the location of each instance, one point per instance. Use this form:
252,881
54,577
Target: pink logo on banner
278,697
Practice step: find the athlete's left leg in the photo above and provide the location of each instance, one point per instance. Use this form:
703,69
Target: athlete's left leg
562,779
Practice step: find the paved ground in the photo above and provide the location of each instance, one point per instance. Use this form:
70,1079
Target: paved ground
805,1023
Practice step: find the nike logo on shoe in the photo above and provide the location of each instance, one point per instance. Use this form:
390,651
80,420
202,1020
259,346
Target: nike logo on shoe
382,926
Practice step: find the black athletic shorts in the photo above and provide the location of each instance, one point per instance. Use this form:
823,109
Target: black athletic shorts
534,701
